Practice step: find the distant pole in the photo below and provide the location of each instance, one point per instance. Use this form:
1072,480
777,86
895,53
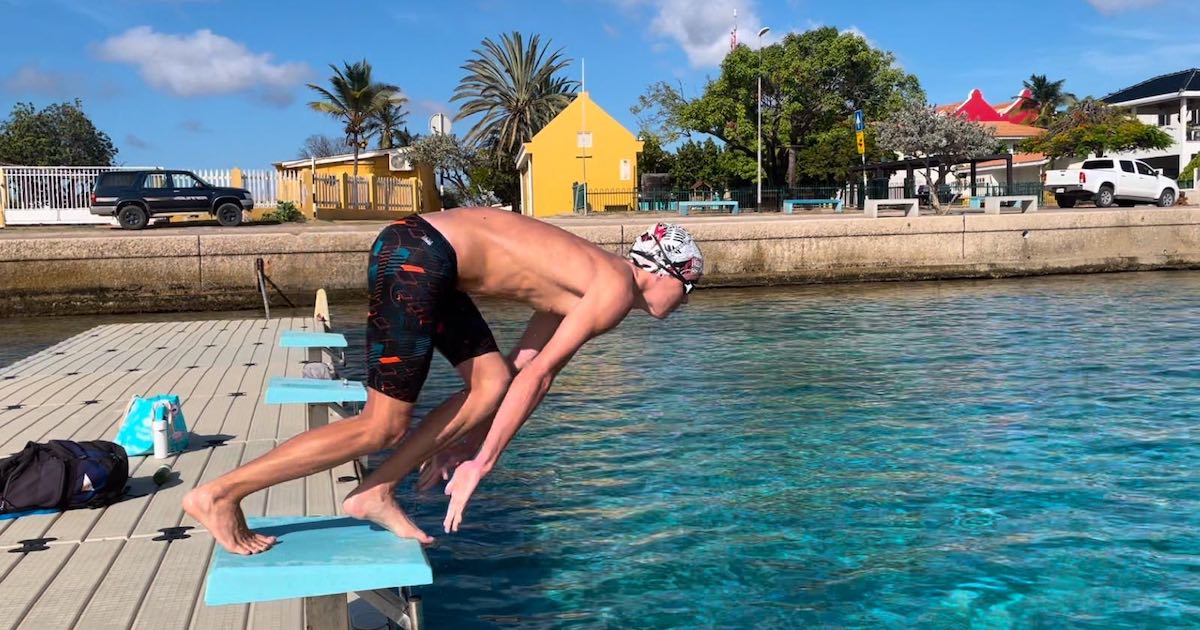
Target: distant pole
762,31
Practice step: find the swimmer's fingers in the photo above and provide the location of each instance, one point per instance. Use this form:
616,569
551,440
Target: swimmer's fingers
461,487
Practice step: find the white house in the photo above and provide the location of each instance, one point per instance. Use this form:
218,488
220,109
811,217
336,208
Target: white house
1171,101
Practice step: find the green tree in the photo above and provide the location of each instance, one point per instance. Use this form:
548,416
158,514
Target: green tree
1189,171
699,162
355,99
322,146
515,87
654,158
387,124
919,131
812,82
460,165
58,135
1091,127
1048,98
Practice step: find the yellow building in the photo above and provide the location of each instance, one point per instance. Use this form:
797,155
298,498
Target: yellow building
388,182
582,145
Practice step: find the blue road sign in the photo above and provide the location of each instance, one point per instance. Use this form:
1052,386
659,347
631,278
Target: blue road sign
859,120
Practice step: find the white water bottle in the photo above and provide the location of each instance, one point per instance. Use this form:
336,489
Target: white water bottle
161,445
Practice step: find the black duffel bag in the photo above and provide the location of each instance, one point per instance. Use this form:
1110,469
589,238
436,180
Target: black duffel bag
63,474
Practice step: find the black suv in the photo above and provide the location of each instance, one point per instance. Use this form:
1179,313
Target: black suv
135,196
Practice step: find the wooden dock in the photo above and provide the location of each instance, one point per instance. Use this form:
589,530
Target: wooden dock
112,567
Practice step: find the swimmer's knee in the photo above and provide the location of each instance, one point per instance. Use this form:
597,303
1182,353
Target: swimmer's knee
384,429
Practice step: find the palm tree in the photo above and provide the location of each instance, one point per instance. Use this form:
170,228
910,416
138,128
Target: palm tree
388,123
1048,97
514,88
355,99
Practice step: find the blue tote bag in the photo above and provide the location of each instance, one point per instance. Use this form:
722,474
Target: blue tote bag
136,435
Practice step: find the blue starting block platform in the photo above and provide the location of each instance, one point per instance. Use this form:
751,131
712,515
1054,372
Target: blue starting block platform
321,558
315,342
282,390
305,339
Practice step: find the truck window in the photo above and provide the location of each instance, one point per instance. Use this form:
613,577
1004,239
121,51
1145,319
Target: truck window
1127,166
117,180
183,180
1145,170
1098,164
155,180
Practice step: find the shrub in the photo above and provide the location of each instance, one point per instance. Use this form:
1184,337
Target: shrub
285,212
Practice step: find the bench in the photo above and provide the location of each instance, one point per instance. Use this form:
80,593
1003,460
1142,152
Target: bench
321,559
871,207
1027,203
790,204
684,206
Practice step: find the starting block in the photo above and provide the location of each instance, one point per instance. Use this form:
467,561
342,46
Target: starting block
320,395
321,559
314,342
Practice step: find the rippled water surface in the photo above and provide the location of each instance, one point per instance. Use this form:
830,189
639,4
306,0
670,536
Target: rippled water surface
955,455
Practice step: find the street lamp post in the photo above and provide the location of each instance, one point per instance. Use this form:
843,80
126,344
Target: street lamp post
762,31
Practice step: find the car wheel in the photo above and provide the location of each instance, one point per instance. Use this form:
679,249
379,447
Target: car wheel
133,217
1166,199
1064,202
1104,198
229,215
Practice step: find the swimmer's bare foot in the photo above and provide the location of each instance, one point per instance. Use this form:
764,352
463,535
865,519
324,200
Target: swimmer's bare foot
225,521
377,504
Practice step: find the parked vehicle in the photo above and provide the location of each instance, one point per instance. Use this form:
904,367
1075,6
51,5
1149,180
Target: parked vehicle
133,197
1111,181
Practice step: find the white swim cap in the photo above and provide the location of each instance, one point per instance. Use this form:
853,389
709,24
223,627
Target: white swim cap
666,248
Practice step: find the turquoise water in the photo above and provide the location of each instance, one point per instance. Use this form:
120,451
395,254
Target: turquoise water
1004,454
960,455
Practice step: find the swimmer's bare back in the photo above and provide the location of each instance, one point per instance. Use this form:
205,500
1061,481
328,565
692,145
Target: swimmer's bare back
508,255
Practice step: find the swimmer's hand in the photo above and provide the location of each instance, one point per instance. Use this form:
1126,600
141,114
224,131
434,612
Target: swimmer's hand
466,479
440,466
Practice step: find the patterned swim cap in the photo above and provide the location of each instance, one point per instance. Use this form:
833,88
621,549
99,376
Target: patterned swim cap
668,248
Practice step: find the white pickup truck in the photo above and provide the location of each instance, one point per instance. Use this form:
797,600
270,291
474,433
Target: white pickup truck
1111,181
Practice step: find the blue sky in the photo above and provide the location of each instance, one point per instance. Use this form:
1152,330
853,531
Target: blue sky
212,83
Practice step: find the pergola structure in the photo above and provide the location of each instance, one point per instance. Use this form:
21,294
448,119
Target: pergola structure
938,160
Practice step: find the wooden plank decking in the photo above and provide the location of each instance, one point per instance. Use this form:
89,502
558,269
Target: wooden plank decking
104,568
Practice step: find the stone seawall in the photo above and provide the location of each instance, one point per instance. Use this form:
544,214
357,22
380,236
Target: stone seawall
199,269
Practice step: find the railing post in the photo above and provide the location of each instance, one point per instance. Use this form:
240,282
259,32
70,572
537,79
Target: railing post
371,196
235,178
344,190
3,196
306,201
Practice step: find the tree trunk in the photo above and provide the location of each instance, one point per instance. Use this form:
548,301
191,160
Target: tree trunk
933,186
791,168
354,178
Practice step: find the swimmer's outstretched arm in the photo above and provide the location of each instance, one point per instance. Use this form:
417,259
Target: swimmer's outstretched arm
537,334
600,309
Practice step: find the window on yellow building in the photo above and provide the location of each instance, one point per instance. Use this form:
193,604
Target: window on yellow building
626,171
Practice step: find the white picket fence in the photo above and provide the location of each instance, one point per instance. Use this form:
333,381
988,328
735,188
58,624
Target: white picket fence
61,195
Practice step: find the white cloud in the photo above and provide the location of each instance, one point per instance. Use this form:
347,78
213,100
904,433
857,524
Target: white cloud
1124,32
203,63
31,79
1142,63
136,142
1116,6
193,125
703,33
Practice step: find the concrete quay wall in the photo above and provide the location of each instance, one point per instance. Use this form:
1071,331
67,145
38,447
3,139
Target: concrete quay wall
161,270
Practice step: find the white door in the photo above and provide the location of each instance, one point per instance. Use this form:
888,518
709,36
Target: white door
1147,181
1129,184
